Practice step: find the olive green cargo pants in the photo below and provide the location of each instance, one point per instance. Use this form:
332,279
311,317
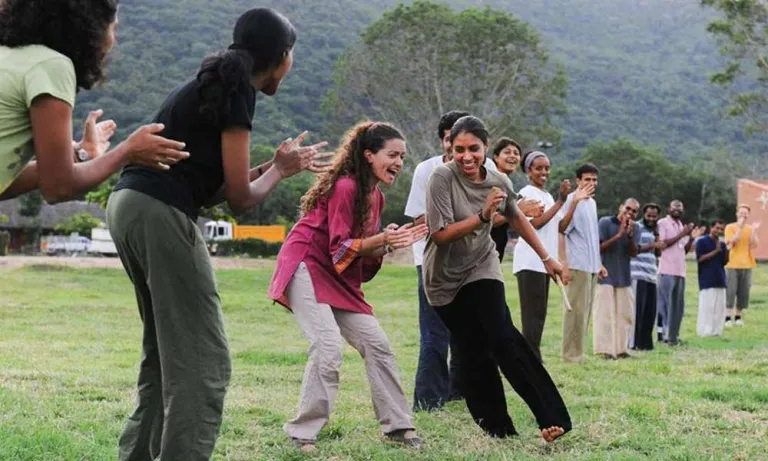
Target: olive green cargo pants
185,365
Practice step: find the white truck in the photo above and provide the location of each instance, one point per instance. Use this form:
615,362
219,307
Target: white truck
100,243
73,244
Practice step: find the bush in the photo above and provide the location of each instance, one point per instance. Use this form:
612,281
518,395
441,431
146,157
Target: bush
252,248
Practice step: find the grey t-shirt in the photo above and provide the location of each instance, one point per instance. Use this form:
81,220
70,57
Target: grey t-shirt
616,258
451,198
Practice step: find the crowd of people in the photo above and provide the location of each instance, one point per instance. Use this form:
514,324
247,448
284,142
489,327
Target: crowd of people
195,154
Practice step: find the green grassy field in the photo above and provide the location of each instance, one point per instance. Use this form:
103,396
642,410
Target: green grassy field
70,344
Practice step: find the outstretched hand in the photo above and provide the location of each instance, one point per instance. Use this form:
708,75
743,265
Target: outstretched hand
96,136
404,236
291,157
698,232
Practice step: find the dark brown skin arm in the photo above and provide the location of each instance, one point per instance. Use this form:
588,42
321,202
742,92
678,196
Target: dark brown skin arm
542,220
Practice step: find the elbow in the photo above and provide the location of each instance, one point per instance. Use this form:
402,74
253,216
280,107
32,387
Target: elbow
239,205
237,208
56,193
439,239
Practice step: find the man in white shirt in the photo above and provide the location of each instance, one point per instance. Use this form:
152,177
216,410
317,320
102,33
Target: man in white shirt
436,383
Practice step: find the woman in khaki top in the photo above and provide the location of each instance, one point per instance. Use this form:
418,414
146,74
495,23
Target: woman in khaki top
463,280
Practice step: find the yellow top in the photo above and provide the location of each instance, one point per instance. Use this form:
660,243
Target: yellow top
740,255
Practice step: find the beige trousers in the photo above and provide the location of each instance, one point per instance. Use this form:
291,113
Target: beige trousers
324,327
581,292
613,319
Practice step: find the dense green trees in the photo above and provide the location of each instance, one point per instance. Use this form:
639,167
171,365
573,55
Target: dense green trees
420,61
706,184
636,69
743,35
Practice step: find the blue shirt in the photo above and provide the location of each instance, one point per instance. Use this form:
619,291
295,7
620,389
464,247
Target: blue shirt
644,266
712,271
582,245
616,258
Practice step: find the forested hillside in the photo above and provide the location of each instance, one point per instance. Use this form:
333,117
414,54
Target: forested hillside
635,67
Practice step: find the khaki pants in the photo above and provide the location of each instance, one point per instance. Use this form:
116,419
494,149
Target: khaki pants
581,292
614,316
324,327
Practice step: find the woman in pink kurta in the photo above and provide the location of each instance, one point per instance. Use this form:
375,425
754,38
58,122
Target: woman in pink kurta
334,248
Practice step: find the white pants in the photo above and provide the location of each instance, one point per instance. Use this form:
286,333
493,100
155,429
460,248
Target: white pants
711,319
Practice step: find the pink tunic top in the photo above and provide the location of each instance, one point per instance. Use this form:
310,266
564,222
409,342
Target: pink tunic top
323,241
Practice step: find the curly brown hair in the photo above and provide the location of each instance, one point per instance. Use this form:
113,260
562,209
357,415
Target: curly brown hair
350,161
75,28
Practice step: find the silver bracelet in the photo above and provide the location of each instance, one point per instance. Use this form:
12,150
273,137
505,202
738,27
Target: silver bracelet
546,259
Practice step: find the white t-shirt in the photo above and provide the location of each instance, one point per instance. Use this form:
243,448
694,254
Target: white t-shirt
524,257
417,198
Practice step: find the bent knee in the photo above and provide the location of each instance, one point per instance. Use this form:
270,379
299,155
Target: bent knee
327,352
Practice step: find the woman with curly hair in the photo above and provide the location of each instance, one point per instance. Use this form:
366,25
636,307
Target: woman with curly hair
334,248
48,51
185,368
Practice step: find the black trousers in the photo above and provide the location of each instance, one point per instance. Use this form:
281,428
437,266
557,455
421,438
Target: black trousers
645,315
533,288
479,321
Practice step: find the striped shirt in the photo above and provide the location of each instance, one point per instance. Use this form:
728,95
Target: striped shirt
644,265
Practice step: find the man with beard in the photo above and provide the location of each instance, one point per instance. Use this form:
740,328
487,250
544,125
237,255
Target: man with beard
678,239
644,267
614,305
712,256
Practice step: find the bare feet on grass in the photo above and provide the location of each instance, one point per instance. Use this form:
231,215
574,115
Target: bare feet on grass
550,434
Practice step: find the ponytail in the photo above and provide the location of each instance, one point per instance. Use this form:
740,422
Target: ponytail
220,78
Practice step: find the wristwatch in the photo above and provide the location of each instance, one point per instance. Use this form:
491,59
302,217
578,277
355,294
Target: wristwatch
483,219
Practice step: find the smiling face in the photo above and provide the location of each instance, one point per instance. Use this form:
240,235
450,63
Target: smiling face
628,210
387,163
538,172
469,154
676,209
717,230
742,214
651,217
508,159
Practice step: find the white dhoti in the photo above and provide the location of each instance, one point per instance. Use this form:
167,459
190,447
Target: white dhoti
711,319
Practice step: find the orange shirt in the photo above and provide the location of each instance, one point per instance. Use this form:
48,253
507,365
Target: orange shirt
740,255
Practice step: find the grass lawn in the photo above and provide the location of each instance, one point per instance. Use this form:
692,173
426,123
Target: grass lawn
70,345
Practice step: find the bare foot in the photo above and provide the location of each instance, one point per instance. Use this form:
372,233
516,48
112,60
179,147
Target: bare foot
550,434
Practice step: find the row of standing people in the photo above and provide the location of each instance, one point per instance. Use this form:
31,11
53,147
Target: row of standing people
612,267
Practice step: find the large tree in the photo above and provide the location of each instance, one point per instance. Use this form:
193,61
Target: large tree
742,33
421,60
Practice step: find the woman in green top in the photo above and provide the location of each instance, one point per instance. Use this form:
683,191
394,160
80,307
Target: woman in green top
48,51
